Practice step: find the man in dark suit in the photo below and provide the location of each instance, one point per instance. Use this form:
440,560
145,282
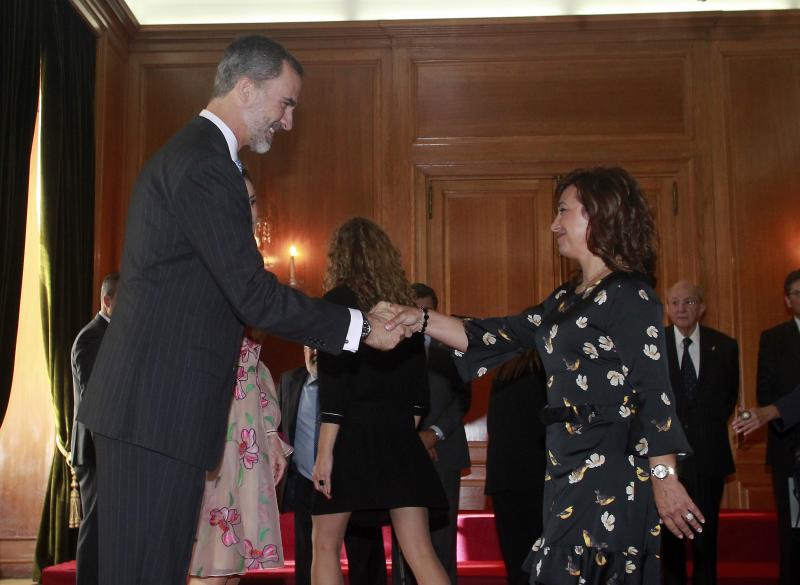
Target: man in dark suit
299,400
779,375
704,373
82,357
442,432
158,400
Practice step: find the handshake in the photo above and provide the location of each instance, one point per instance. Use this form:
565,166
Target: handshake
391,324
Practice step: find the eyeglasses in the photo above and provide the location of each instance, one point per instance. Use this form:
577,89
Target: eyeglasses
685,302
794,293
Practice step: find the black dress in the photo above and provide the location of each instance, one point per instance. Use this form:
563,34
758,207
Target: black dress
379,462
515,465
610,407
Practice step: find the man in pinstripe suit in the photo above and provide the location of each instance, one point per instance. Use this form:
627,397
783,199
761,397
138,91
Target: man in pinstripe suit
158,400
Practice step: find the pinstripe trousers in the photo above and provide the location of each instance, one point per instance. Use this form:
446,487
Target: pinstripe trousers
147,507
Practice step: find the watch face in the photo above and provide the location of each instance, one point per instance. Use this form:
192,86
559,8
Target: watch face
660,471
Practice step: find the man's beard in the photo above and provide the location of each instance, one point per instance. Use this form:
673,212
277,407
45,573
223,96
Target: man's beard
261,141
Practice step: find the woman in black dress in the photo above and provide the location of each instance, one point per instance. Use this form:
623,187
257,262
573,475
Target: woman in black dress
370,461
612,435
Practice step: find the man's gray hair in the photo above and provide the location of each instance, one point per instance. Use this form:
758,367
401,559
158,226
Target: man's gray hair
253,56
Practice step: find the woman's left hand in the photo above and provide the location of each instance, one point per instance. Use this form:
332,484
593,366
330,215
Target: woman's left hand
276,458
677,510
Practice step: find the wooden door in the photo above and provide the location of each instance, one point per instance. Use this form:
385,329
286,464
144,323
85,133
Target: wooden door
488,251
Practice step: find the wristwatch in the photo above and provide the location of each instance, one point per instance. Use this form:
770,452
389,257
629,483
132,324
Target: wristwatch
661,471
366,328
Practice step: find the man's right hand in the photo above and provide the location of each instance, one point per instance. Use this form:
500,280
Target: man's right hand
379,337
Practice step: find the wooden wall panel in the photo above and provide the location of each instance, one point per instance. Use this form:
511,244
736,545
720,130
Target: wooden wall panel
171,94
554,97
110,196
762,109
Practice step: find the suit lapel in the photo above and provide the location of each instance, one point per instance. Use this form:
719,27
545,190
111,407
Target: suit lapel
708,353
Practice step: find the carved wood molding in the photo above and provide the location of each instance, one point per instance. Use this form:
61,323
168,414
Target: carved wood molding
105,15
417,33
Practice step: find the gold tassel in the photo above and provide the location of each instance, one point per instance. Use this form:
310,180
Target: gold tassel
74,501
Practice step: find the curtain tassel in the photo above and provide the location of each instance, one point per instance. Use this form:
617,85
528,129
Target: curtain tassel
74,501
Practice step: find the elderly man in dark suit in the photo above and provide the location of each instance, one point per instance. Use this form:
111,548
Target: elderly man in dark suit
442,432
704,373
778,376
158,400
298,393
82,357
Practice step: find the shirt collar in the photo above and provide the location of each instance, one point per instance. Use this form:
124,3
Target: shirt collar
695,336
107,318
230,138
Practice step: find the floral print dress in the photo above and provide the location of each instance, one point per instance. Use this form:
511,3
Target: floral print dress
239,524
610,407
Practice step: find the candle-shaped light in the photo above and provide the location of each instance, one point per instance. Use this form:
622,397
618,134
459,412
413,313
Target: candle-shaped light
292,267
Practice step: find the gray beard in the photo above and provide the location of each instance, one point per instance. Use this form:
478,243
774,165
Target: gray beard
260,144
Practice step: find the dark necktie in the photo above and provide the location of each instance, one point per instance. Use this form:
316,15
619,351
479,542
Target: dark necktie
688,372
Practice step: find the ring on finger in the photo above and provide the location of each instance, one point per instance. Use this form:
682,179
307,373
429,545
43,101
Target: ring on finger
689,516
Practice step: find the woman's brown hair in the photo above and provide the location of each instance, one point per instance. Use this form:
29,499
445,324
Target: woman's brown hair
363,257
621,228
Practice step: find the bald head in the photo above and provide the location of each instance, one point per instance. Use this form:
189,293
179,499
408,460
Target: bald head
685,306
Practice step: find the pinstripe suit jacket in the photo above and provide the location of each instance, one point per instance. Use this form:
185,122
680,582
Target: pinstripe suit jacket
191,277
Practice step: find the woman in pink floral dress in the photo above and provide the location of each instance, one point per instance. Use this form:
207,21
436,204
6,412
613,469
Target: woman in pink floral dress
239,524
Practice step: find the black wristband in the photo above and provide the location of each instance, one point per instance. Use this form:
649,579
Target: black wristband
366,328
424,320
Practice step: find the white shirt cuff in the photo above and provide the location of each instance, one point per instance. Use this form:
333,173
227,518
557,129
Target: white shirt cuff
353,338
437,431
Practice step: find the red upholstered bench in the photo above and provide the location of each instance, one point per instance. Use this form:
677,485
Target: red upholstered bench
748,552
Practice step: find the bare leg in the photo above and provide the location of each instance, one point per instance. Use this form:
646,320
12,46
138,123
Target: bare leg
413,534
327,536
224,580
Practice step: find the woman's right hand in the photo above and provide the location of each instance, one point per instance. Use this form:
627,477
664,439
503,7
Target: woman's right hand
321,475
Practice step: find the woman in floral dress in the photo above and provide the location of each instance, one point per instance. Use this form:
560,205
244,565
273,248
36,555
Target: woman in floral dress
239,524
612,434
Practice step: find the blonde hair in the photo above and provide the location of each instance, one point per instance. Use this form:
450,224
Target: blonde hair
362,257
